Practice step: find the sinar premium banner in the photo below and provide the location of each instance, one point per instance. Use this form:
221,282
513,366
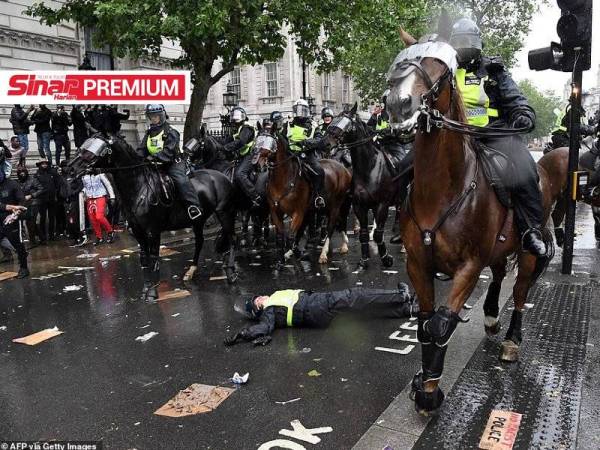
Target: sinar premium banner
95,87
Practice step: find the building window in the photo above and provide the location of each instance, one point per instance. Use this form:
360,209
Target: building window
236,82
271,79
346,89
100,57
326,86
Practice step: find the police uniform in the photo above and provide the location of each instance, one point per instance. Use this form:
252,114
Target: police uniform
298,308
241,149
162,145
302,139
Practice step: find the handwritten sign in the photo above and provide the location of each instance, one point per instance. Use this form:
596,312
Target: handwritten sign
501,430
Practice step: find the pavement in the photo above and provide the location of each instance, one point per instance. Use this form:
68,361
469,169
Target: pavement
347,383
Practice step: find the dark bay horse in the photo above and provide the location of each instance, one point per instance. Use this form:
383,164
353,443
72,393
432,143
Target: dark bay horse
560,209
149,210
454,222
374,180
290,194
207,152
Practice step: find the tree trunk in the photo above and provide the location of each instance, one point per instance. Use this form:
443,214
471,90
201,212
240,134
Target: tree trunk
193,120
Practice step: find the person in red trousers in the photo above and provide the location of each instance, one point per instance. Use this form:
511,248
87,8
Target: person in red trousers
97,190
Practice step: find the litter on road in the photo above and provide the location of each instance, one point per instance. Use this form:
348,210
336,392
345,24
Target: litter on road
40,336
145,337
195,399
239,379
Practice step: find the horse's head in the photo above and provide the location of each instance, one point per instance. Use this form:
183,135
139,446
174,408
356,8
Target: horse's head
422,75
265,146
95,150
346,125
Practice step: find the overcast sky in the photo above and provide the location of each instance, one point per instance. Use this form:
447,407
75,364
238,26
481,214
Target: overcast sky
542,32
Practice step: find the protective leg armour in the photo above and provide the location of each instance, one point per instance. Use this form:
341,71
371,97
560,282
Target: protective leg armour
514,329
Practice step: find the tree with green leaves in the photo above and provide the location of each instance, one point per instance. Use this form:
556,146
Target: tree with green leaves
544,104
230,31
504,25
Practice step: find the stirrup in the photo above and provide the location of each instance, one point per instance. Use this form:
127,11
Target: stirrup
194,212
317,205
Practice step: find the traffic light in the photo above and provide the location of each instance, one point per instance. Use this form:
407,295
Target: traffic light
575,31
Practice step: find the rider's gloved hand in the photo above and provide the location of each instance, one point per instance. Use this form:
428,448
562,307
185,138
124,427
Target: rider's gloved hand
523,121
232,340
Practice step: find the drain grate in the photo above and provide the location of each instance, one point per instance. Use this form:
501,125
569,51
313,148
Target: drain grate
544,385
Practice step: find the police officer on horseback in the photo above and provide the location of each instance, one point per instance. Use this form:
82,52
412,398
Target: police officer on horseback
240,148
492,97
301,136
160,144
278,120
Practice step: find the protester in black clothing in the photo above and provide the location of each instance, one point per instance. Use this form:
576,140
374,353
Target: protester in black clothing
299,308
34,196
96,117
80,126
20,124
48,178
60,128
41,118
113,119
11,196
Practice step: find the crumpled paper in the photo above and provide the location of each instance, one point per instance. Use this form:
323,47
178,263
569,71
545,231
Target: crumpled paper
240,379
195,399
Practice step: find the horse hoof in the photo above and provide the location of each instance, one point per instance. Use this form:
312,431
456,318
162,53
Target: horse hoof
509,351
492,326
323,260
343,249
232,277
151,296
288,254
428,404
387,260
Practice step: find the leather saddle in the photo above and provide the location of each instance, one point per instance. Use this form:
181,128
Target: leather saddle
498,170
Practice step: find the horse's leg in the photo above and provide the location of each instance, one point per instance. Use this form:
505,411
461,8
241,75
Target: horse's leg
397,237
227,247
300,253
245,221
296,226
198,243
342,225
558,214
512,341
596,215
381,217
434,332
280,238
490,306
142,240
331,224
154,267
362,213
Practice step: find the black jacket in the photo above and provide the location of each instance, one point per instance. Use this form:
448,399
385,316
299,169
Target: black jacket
375,119
503,92
80,131
233,148
113,120
41,118
96,117
49,180
19,121
170,149
32,186
10,194
61,122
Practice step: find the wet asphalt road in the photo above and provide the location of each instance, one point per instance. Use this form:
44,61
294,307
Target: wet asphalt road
96,382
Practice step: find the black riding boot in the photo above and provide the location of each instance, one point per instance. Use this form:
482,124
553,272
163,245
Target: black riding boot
186,190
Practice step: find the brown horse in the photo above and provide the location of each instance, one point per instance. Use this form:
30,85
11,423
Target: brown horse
289,194
454,222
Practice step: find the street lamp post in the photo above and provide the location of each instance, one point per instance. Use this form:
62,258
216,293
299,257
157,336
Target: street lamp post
230,100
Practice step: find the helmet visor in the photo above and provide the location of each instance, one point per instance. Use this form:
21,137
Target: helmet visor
265,142
466,41
301,111
238,115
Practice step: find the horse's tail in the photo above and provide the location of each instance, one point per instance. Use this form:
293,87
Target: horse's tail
542,263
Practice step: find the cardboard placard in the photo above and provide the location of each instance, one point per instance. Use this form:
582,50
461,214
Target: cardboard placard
167,252
195,399
7,275
169,295
40,336
501,430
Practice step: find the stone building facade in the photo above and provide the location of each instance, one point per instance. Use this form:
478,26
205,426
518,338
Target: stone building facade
25,44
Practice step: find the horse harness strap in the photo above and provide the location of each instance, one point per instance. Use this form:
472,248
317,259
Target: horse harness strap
428,235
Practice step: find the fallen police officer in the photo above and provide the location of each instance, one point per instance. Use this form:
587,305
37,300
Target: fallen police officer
299,308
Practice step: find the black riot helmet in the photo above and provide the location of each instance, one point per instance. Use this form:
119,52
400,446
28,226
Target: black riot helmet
326,112
277,119
466,40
